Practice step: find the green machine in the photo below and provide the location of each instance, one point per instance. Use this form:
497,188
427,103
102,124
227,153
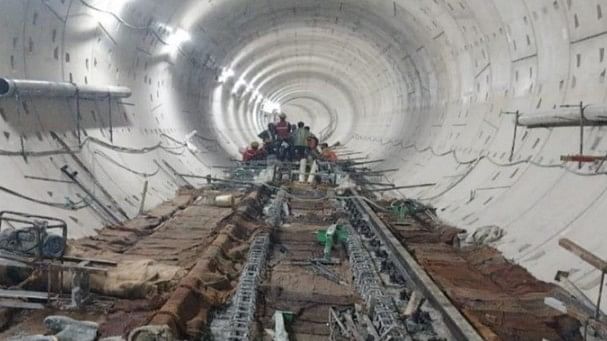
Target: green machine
401,209
336,233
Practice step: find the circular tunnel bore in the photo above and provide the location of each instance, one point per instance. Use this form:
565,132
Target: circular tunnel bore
428,86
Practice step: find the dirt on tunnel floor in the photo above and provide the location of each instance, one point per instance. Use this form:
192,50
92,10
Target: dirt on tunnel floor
155,251
291,283
501,299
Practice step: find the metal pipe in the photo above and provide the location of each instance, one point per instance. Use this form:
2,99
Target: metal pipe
567,116
516,123
597,313
376,172
400,187
143,195
34,88
90,194
381,184
90,174
367,162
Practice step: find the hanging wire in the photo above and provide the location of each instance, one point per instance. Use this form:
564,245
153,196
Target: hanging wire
64,206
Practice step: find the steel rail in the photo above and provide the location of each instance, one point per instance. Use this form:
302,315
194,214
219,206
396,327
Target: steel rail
458,325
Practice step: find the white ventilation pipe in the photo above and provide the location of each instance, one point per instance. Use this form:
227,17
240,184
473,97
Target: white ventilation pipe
302,170
313,171
594,115
33,88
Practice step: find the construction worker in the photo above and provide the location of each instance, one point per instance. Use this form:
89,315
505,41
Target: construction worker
313,147
253,153
283,133
269,139
300,141
327,154
283,128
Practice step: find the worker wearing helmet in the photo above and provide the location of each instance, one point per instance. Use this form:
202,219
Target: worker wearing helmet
270,139
283,132
253,153
283,127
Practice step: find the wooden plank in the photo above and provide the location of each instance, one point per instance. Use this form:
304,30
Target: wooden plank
36,295
90,260
583,254
20,304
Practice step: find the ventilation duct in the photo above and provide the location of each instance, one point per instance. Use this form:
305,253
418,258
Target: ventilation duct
33,88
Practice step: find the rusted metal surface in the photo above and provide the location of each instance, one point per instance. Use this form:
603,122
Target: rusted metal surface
501,299
211,281
209,241
584,254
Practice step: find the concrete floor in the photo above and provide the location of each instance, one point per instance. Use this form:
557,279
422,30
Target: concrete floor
422,83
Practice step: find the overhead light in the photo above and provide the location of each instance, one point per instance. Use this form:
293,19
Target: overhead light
239,84
271,106
226,73
177,38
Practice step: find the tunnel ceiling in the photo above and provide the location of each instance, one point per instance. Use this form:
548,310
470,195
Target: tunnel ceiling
430,86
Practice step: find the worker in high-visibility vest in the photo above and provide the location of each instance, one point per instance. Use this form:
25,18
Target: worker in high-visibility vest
283,127
327,154
283,132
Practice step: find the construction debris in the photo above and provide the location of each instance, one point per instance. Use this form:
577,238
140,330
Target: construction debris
502,300
64,329
482,236
232,264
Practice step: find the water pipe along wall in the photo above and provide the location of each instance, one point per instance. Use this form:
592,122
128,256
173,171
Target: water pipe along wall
429,85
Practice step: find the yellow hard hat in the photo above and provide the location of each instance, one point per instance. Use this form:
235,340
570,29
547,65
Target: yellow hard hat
255,144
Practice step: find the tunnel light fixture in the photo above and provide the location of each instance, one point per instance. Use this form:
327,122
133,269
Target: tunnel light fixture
239,84
188,141
271,106
226,74
177,37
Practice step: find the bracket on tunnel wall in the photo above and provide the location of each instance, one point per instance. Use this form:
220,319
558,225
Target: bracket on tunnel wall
516,118
78,116
582,119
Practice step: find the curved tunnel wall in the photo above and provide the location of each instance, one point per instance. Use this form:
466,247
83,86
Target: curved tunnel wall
422,83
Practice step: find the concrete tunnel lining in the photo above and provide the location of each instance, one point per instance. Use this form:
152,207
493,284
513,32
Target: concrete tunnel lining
429,81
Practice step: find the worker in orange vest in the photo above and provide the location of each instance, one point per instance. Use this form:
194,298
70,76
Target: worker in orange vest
283,132
283,127
253,153
327,154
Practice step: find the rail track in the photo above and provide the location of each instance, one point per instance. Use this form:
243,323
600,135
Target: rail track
365,221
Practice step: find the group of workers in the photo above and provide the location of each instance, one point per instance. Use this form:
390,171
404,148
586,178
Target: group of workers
287,142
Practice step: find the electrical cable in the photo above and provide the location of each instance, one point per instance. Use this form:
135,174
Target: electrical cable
118,164
453,152
65,206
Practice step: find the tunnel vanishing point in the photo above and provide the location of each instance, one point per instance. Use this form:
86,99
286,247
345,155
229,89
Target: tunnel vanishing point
108,107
